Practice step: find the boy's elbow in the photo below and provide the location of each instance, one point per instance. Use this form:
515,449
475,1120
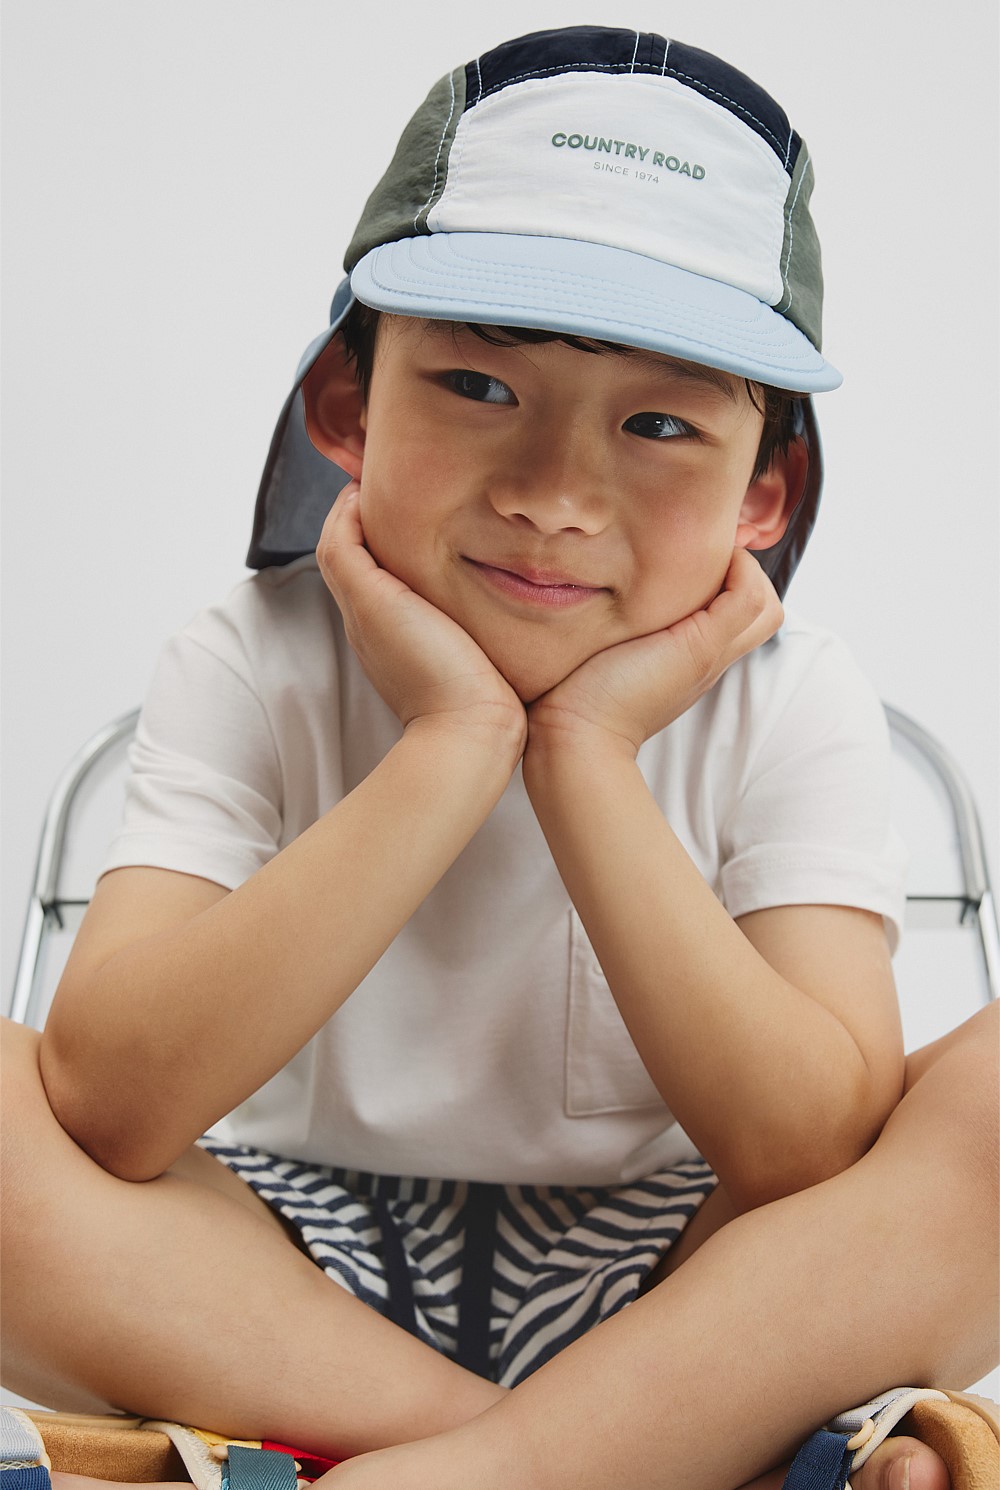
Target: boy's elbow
816,1151
753,1183
99,1125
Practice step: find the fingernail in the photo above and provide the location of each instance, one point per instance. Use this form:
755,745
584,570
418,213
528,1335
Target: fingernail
899,1474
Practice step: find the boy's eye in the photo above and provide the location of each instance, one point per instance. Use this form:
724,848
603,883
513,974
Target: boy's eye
480,386
656,426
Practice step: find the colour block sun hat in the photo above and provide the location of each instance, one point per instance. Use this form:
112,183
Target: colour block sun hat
599,182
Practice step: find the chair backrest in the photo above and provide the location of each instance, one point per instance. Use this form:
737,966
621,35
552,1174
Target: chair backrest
83,811
947,966
948,962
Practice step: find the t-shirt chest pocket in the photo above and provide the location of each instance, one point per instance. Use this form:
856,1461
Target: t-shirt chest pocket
604,1072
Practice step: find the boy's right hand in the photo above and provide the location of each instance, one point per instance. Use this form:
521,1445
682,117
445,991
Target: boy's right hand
426,668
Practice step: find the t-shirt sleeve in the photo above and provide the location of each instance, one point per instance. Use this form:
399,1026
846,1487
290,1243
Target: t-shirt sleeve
810,819
204,795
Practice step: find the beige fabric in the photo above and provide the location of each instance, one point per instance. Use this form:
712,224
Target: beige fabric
964,1438
108,1448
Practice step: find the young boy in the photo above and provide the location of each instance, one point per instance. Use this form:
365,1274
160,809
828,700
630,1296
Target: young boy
512,876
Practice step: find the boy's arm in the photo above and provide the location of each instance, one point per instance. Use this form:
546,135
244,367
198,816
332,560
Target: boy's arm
180,1000
775,1041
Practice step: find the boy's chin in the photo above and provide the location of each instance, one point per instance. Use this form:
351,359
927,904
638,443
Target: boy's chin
528,684
530,676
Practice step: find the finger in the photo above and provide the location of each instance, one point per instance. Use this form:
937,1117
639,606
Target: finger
343,521
747,610
341,550
352,574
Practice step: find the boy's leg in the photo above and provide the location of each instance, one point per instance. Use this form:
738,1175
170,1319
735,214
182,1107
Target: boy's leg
184,1298
885,1275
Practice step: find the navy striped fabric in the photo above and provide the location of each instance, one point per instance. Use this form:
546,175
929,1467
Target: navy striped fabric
608,49
501,1277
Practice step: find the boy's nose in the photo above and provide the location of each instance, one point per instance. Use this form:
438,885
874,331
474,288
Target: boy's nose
556,485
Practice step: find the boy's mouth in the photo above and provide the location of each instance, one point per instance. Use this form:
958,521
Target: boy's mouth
538,586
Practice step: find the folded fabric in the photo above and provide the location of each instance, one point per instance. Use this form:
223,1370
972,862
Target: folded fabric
142,1450
962,1428
24,1464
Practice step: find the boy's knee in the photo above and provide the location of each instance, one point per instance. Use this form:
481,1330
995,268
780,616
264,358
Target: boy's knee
38,1156
962,1071
981,1049
22,1095
23,1114
30,1135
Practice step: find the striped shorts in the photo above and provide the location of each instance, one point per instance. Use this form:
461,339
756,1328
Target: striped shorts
499,1278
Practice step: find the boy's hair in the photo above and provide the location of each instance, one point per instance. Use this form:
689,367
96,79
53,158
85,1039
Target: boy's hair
779,407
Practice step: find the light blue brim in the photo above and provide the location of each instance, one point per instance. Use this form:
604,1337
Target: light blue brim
589,289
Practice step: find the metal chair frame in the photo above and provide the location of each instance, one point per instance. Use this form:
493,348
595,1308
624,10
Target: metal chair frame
46,905
973,901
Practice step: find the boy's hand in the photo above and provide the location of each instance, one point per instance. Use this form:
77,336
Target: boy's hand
620,697
421,661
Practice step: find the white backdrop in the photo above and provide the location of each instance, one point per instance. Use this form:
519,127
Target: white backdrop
180,181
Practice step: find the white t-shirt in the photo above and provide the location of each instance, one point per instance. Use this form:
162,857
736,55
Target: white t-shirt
486,1044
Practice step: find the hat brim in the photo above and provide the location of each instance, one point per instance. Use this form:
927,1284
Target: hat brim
589,289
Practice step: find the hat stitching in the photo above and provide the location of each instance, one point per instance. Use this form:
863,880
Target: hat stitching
737,345
734,103
663,66
635,50
479,76
782,308
558,277
562,67
682,77
561,278
744,339
437,158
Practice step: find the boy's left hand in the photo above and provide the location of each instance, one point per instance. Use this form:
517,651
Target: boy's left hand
620,697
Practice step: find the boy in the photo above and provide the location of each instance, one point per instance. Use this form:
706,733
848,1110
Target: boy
535,889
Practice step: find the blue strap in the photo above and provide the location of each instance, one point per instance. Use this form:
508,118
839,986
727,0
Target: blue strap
402,1307
476,1288
822,1463
258,1469
25,1477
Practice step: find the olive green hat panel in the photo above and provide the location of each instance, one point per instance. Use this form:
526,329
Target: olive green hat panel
415,179
801,272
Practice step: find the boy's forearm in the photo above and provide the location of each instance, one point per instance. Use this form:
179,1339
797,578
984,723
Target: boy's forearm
766,1081
177,1029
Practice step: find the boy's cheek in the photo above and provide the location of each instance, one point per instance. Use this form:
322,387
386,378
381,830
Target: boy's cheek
400,544
672,598
377,523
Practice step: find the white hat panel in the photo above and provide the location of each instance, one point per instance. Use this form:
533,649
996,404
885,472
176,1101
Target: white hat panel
638,162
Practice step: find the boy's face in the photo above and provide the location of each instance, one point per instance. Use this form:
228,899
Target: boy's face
554,502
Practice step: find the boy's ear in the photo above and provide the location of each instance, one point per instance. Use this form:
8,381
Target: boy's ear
335,408
772,498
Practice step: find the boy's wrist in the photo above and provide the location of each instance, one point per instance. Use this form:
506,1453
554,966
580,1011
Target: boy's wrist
492,733
558,738
564,756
